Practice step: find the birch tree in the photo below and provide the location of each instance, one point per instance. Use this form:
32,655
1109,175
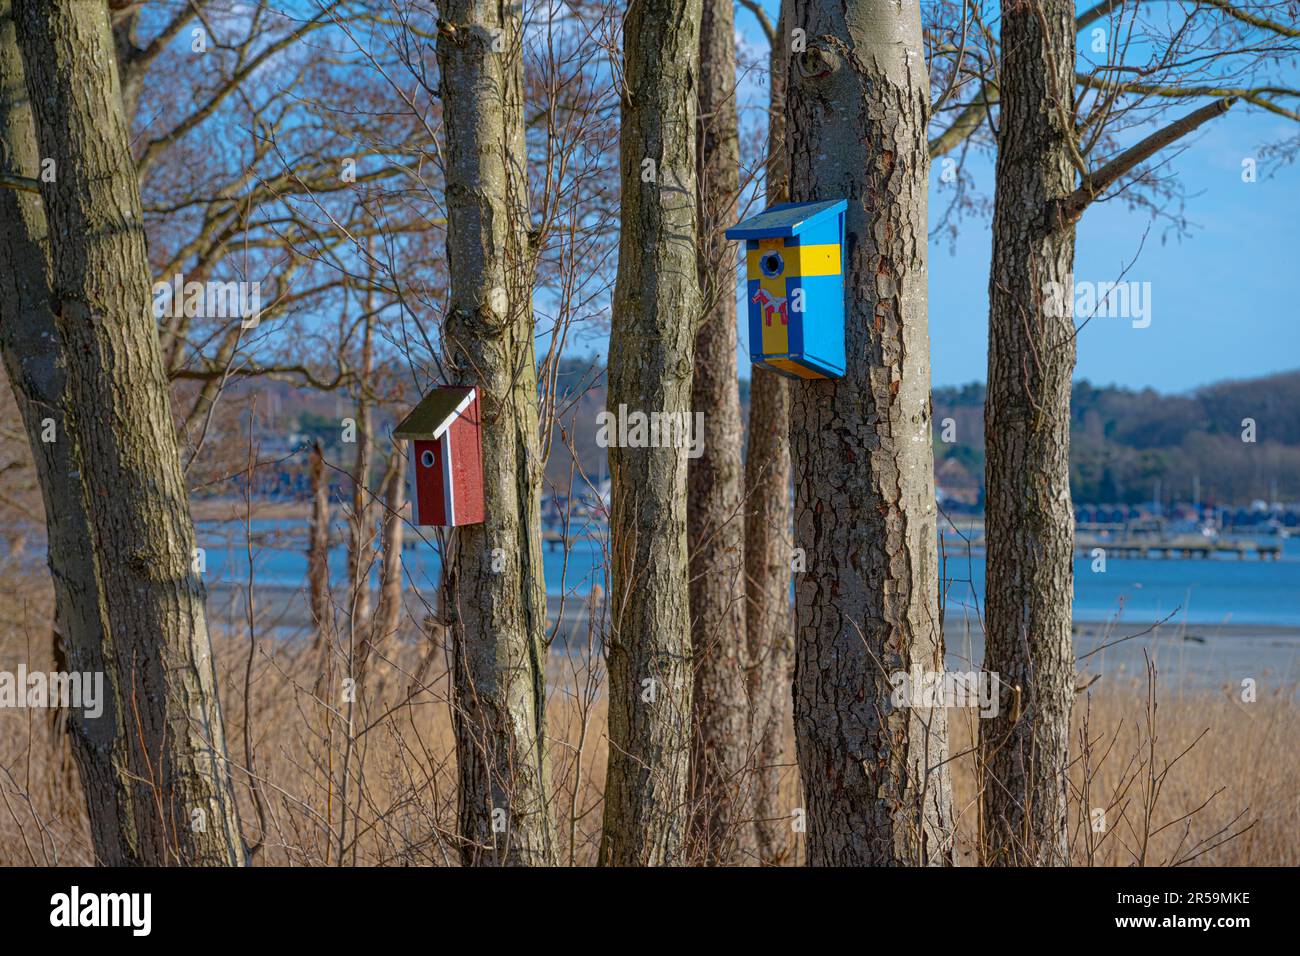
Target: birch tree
651,351
874,777
498,596
122,546
721,745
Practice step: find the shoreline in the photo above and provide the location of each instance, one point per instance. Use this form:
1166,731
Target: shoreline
285,595
1187,657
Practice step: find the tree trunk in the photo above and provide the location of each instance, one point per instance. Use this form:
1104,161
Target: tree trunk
499,603
318,546
29,341
390,590
158,754
361,525
767,530
874,778
656,305
388,616
1029,523
130,71
721,788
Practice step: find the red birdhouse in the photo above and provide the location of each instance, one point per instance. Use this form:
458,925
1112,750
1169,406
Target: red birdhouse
446,457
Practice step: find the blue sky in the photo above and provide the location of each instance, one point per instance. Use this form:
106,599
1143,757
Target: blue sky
1222,295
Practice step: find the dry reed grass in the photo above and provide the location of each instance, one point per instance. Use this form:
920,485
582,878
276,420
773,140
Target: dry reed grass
1202,778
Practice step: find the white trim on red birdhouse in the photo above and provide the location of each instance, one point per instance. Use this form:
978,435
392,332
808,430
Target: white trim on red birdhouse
470,395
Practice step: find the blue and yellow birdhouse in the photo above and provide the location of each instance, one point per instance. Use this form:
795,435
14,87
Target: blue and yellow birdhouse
794,262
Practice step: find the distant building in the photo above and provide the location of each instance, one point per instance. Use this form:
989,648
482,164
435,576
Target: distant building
956,482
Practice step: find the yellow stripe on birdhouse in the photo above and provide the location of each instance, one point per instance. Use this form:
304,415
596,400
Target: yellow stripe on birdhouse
822,260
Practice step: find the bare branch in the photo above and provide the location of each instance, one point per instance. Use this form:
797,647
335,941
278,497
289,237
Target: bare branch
22,183
1098,182
1255,21
763,20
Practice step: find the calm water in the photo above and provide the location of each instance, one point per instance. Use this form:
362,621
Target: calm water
1221,590
227,559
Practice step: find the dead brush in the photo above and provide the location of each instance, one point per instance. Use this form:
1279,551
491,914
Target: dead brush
1158,778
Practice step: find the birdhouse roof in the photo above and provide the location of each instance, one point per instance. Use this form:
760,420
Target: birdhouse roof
785,220
437,410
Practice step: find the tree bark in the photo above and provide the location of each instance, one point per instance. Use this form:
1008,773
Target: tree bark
767,530
498,602
874,777
157,756
361,524
384,622
130,71
1029,524
388,617
29,341
318,546
721,787
656,304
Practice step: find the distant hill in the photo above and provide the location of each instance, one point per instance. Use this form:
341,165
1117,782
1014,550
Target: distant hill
1123,441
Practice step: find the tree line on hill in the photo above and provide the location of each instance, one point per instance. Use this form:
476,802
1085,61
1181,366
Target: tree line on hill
1128,445
1124,443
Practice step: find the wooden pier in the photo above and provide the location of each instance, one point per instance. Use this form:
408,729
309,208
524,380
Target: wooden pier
1176,546
1119,541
